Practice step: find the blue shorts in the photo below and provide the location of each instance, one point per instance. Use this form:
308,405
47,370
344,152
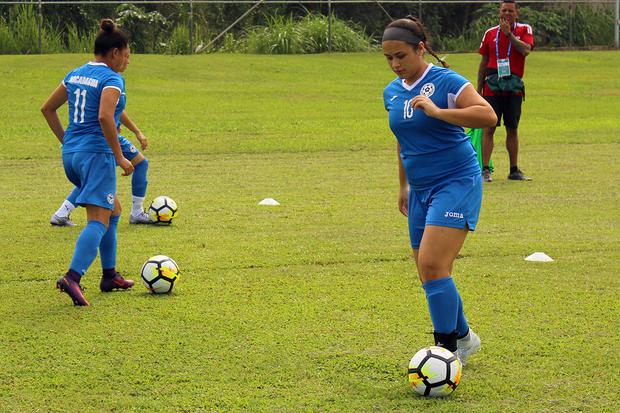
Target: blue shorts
454,204
94,175
129,150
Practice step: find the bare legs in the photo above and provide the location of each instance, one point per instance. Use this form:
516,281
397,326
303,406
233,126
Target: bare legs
512,145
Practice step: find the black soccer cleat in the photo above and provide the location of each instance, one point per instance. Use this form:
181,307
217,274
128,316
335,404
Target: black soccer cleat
73,290
518,175
117,282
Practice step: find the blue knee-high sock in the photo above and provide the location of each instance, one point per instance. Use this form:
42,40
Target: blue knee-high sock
462,328
86,246
107,247
443,304
138,179
73,196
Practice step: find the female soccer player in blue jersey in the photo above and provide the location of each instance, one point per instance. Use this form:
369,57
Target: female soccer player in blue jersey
440,179
95,93
139,180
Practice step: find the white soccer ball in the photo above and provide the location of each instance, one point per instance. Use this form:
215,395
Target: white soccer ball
159,274
163,209
434,372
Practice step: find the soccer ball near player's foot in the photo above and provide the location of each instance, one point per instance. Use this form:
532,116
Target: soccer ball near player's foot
434,372
159,274
163,209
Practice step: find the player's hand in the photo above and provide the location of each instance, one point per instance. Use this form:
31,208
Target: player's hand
403,201
425,104
504,26
126,165
144,142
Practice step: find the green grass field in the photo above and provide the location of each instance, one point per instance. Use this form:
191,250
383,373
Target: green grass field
313,305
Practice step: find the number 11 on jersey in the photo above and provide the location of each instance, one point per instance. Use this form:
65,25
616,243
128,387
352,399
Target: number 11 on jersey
78,107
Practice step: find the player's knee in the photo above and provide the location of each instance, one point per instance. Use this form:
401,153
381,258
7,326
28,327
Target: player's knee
144,163
430,269
117,208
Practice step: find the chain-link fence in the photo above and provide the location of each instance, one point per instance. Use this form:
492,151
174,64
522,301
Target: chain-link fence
286,26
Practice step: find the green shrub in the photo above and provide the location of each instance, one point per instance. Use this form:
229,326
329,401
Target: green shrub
592,26
52,40
285,35
230,44
24,25
20,34
462,43
277,37
178,42
80,42
146,31
313,31
8,45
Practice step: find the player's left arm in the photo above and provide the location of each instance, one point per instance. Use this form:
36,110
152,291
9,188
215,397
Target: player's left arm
126,121
472,110
49,110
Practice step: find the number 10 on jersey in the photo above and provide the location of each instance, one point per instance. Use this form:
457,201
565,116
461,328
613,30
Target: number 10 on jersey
408,109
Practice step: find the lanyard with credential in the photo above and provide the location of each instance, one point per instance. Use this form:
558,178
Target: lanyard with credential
497,45
503,65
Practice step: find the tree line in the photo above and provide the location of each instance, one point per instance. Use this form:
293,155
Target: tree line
165,28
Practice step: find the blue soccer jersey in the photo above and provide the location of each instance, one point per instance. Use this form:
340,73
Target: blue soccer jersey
431,149
84,88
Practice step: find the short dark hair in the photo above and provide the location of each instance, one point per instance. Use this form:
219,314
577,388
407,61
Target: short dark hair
109,37
509,2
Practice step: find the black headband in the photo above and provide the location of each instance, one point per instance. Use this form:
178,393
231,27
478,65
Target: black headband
400,34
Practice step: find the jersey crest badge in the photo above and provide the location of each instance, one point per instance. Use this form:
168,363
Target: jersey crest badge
427,90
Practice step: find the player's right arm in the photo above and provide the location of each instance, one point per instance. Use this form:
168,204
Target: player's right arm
107,106
49,108
403,193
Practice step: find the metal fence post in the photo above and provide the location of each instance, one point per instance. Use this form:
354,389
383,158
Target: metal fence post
191,27
571,13
329,26
616,28
40,28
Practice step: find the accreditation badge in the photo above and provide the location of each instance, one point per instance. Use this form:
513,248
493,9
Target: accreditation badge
503,67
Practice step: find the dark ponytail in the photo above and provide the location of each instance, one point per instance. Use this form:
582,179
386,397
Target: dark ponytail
109,37
416,27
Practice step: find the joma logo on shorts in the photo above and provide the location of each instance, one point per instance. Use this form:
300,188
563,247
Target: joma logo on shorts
453,215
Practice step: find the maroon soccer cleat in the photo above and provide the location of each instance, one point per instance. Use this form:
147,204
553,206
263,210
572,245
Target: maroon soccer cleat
117,282
73,290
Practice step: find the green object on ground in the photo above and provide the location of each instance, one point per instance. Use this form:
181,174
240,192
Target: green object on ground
475,136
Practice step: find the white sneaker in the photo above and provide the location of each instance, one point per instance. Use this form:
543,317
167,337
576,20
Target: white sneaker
467,346
486,176
61,221
140,218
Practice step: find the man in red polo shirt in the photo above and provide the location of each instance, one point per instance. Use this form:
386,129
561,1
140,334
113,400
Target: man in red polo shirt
503,49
